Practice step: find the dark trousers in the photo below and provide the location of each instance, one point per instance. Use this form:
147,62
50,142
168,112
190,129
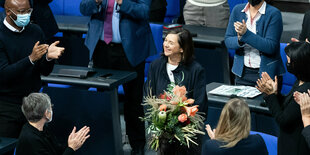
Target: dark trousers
251,75
158,15
11,121
112,56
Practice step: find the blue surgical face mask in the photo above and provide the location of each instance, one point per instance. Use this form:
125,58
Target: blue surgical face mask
22,20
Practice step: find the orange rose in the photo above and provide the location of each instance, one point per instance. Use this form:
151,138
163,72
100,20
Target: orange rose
182,118
190,101
179,91
162,96
162,107
174,102
191,111
184,98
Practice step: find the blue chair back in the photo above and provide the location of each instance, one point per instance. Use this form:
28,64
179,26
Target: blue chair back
57,7
157,32
288,78
72,7
233,3
270,141
66,7
173,11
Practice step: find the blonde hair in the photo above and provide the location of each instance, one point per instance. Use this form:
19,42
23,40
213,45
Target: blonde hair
234,123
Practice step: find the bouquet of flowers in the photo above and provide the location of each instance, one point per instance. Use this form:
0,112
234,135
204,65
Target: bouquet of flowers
172,116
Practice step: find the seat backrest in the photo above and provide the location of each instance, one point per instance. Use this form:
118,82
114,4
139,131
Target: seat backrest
233,3
72,7
66,7
288,78
157,32
57,7
173,10
270,141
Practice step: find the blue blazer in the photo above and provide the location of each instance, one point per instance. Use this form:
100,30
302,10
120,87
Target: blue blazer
267,40
134,28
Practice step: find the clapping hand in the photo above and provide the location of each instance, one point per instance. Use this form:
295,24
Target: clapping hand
54,52
240,28
119,2
77,139
211,132
38,51
266,85
98,1
303,99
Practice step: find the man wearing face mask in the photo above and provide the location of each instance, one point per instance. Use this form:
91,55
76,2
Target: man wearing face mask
43,16
23,59
254,31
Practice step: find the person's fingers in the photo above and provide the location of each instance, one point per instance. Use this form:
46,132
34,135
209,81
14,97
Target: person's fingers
294,40
243,22
55,43
307,40
276,82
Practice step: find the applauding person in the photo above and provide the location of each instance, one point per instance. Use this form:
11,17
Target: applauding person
254,31
36,138
284,108
23,59
303,99
231,135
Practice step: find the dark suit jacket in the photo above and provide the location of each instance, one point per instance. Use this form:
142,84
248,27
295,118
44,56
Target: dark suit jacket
31,141
252,145
135,31
306,134
42,15
192,76
305,32
288,116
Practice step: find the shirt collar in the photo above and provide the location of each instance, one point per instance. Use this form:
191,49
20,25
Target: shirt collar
10,27
261,10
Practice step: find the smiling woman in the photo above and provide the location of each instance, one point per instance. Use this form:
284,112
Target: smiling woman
177,65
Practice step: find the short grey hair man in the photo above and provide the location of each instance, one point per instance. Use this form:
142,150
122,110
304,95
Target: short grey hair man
35,105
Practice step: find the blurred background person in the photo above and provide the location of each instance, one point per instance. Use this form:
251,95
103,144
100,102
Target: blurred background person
35,137
43,16
120,38
210,13
284,108
303,99
232,134
254,31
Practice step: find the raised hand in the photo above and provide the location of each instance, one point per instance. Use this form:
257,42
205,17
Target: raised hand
210,132
38,51
77,139
303,99
266,85
54,52
240,28
119,2
98,1
294,40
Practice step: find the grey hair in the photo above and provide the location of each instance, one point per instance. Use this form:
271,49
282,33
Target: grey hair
35,105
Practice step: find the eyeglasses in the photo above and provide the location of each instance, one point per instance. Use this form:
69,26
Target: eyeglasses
23,11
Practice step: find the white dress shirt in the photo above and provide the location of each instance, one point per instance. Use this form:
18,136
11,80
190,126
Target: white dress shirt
252,57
